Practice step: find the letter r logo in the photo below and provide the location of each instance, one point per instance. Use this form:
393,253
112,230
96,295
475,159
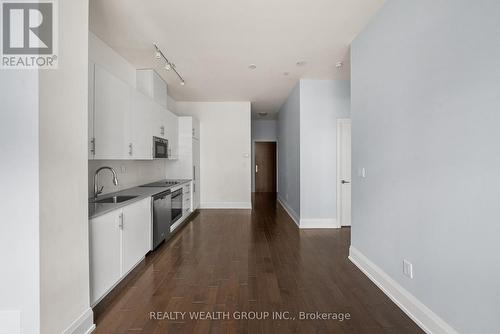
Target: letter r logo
27,27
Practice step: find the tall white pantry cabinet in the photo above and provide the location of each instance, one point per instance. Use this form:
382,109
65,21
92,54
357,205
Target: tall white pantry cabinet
187,166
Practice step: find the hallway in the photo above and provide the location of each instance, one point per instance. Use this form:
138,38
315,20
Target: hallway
244,260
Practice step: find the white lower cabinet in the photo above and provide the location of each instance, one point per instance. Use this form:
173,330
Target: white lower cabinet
136,233
118,241
105,257
187,198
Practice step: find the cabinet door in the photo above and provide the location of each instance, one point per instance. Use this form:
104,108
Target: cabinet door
196,174
140,127
104,254
111,105
91,112
158,124
136,233
195,128
172,125
186,198
159,90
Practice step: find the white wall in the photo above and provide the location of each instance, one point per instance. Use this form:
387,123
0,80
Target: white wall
131,173
262,130
19,202
425,115
64,243
289,153
322,102
225,146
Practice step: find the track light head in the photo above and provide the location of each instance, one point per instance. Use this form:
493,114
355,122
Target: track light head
182,82
168,66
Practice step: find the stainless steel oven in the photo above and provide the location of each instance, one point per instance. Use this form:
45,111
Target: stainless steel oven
176,205
160,148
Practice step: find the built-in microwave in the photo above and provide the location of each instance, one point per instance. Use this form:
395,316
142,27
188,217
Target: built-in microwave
160,148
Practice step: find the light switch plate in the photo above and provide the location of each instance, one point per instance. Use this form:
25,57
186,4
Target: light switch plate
408,269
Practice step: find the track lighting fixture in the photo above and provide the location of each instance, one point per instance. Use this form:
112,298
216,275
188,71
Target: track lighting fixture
168,64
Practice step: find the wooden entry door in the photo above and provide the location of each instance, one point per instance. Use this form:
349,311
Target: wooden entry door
265,167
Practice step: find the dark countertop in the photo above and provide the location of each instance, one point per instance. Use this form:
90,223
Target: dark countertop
99,209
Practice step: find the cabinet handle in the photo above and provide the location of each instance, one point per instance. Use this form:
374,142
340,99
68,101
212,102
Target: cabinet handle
194,172
130,149
193,132
92,146
256,168
120,224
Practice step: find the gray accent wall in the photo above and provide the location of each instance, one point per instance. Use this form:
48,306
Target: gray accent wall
289,152
322,102
426,120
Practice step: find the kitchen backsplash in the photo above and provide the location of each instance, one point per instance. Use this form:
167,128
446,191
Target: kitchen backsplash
130,173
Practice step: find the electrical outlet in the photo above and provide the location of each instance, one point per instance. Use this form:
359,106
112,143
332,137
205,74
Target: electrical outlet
123,169
408,269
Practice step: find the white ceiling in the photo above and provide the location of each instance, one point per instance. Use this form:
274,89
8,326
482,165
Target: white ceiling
213,43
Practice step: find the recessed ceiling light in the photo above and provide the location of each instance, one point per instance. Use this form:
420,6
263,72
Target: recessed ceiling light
252,66
339,65
301,63
262,114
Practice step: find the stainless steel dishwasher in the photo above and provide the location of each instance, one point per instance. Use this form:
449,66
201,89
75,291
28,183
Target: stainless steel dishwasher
162,217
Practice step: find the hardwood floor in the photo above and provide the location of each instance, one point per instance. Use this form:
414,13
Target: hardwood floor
250,261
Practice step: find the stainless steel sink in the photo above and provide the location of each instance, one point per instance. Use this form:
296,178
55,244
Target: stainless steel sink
114,199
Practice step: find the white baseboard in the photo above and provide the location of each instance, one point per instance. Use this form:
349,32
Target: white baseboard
226,205
430,322
319,223
83,325
289,210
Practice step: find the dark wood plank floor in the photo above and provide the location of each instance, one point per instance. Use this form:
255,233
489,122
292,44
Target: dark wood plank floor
250,260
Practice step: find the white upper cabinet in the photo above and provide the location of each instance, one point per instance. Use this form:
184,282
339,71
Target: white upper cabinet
141,118
151,84
123,120
91,142
172,134
195,128
111,108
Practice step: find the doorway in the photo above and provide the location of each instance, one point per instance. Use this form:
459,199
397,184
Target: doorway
344,172
265,167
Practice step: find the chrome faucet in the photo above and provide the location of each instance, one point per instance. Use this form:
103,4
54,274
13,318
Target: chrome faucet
98,190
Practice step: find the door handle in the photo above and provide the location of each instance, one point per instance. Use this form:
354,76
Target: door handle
256,168
344,182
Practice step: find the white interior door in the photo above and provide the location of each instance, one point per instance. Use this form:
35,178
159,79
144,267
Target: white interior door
344,171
